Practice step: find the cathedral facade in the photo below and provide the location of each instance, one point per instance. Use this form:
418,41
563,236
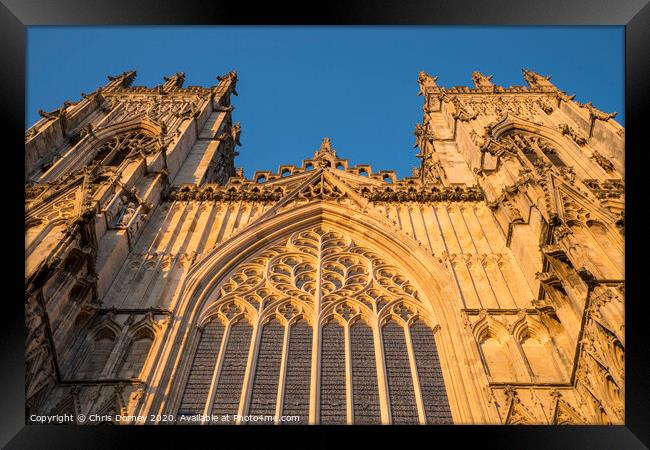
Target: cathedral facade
164,287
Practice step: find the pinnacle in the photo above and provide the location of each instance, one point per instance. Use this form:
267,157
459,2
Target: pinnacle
325,145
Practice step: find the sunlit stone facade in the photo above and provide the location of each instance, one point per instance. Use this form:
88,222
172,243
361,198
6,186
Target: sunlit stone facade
488,287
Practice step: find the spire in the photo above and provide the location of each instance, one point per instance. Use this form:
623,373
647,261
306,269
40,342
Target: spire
425,80
174,81
536,81
482,81
229,81
326,146
123,80
326,155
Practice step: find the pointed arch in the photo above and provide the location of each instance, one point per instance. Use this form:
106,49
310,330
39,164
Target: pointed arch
511,123
139,123
113,406
140,340
87,148
565,414
98,348
538,349
499,351
519,414
429,284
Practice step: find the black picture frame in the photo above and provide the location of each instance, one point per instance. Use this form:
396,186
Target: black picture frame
16,15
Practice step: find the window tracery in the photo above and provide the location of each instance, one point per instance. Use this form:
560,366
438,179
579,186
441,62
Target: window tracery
98,352
318,299
538,150
123,146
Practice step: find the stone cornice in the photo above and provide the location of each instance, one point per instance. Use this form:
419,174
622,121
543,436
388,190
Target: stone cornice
374,194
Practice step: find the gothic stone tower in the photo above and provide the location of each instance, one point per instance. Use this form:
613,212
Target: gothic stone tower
485,288
96,171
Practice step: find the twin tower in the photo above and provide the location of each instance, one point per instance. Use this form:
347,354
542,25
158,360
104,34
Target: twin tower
487,287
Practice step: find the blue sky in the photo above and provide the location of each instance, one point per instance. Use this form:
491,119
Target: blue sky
356,85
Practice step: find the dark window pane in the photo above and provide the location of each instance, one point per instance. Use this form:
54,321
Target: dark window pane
432,386
364,375
400,381
332,382
267,371
231,377
297,381
198,383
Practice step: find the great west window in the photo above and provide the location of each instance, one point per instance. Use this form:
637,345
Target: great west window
322,329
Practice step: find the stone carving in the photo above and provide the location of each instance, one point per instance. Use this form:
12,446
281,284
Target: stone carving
173,82
230,76
235,132
595,114
562,97
60,113
349,271
226,194
425,80
536,81
125,79
513,212
606,189
321,190
602,161
545,105
325,155
567,130
481,81
462,113
127,215
620,222
219,261
119,205
432,194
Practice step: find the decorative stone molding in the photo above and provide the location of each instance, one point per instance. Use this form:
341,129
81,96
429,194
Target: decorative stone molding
482,82
567,130
326,245
425,80
606,189
602,161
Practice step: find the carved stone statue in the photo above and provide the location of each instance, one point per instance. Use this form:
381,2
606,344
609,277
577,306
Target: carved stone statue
116,208
235,133
419,135
128,215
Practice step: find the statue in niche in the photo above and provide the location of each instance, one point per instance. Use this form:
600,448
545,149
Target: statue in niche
235,133
419,137
127,216
116,209
135,226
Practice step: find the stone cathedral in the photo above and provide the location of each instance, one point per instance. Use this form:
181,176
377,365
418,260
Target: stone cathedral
486,288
